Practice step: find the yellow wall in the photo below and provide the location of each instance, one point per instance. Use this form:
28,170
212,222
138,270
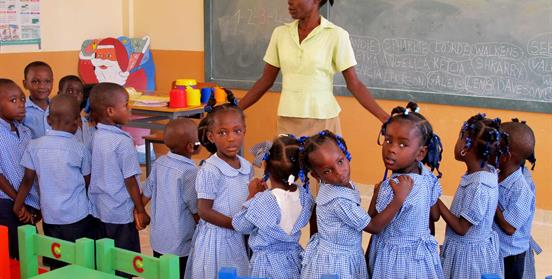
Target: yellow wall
66,24
177,41
173,24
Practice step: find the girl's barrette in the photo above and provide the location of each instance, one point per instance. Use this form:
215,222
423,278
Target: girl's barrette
261,151
406,111
208,108
291,179
468,143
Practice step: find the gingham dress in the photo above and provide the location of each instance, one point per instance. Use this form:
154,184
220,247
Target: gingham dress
215,247
336,248
477,252
405,248
276,254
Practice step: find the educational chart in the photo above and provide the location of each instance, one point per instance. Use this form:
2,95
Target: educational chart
495,53
19,22
125,61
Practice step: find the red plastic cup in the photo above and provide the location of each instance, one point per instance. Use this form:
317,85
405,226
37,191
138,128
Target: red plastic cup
177,98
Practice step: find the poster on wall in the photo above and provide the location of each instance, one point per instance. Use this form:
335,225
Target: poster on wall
20,22
125,61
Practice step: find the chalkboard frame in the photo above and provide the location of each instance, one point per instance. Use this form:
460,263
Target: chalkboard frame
379,93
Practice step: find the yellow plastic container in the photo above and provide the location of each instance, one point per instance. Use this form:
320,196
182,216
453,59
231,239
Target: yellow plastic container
185,82
193,97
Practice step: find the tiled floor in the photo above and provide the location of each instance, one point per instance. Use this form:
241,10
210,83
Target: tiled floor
542,232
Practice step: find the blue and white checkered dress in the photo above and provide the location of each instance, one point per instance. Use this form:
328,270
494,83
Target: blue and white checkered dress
477,252
12,147
337,247
215,247
529,271
405,248
276,254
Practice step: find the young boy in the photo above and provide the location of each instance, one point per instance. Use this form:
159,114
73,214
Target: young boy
114,191
62,166
516,201
171,189
73,86
38,81
14,138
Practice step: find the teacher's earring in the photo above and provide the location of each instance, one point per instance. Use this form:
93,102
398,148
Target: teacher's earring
463,152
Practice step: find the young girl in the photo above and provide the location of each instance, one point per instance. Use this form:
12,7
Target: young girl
336,248
471,247
221,186
274,218
405,248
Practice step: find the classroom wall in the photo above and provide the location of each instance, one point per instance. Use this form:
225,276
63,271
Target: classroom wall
178,52
182,56
65,25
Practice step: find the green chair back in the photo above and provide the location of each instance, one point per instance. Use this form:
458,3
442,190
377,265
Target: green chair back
110,259
32,245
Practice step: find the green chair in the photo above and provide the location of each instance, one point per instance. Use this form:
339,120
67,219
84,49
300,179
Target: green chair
32,245
110,259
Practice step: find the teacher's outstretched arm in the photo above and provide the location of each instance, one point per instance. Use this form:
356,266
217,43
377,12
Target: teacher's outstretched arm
363,95
260,87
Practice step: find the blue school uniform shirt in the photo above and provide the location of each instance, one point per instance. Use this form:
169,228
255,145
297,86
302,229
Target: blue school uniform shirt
517,202
405,248
213,246
475,200
114,159
60,163
276,254
337,247
171,188
12,146
85,133
36,119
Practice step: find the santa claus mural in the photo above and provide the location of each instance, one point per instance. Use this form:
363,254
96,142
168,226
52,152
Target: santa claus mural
123,61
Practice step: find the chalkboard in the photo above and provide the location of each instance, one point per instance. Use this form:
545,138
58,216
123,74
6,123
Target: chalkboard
495,53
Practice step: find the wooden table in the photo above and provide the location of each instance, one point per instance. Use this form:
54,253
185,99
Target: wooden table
75,271
155,114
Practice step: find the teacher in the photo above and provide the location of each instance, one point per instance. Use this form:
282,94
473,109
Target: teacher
309,51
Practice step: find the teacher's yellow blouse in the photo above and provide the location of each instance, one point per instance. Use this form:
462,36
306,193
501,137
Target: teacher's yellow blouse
308,68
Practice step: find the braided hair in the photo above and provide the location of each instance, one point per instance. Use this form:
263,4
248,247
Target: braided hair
212,110
311,144
485,136
428,138
282,160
